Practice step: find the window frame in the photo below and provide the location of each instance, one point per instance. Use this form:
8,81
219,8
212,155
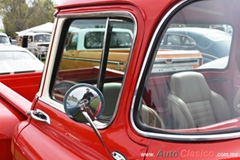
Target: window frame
156,133
45,94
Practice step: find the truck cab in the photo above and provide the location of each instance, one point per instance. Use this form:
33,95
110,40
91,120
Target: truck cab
37,43
173,112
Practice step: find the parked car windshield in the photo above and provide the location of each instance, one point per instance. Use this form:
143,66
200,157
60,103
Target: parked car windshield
42,38
4,40
15,59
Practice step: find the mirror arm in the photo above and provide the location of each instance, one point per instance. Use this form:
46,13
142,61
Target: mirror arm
88,118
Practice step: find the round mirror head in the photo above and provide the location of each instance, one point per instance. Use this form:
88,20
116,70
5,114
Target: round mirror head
83,98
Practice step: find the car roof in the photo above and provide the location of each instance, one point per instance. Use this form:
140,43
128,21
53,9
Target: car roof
198,30
3,34
33,33
12,48
212,34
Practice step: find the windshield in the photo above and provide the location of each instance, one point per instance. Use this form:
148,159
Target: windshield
42,38
4,39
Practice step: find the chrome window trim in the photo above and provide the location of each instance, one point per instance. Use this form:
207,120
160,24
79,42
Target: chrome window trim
119,14
99,15
174,136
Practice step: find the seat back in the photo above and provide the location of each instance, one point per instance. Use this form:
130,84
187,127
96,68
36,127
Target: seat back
110,93
192,103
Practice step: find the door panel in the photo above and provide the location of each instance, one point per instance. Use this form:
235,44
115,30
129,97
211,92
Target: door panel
62,139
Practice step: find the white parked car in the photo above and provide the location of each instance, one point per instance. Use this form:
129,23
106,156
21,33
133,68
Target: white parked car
4,39
15,59
37,43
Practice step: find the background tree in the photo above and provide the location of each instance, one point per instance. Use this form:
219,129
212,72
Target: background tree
42,11
19,15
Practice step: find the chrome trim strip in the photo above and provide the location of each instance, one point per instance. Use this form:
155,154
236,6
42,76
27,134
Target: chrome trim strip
92,60
166,136
99,14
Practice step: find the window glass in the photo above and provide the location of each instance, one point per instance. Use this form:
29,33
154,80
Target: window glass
30,39
42,38
119,39
73,39
187,90
4,39
81,59
173,40
94,39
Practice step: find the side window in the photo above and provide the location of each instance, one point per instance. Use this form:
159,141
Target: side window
120,38
87,41
30,39
173,40
176,96
93,40
72,41
188,41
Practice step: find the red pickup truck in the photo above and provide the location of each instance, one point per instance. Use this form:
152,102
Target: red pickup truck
172,112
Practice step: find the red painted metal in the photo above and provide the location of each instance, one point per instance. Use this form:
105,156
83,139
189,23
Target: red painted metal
12,111
67,139
25,84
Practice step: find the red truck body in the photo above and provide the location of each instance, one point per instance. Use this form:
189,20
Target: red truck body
153,110
25,84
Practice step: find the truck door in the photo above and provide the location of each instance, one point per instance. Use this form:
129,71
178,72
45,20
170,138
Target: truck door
51,134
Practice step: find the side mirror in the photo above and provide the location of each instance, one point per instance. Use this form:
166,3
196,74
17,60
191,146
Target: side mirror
81,99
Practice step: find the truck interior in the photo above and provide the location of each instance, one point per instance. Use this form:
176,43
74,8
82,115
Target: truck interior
195,101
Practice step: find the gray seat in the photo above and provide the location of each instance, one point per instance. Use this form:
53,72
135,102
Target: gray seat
111,94
192,103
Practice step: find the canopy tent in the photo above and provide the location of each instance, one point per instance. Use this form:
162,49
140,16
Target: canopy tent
46,28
